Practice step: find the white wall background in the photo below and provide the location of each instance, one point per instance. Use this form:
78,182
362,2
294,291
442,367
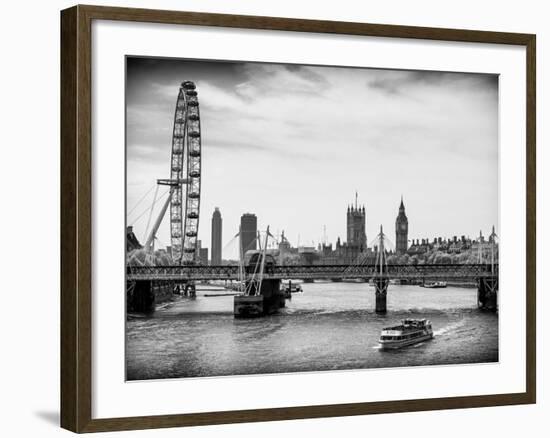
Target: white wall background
29,172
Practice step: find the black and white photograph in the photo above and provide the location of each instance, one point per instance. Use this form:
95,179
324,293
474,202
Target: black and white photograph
275,219
285,218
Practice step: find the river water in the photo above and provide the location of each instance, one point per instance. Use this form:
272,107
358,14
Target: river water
331,326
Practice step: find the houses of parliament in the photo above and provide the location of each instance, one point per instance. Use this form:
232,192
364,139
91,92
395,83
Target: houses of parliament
356,245
356,248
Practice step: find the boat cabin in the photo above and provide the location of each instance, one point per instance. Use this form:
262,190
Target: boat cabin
409,329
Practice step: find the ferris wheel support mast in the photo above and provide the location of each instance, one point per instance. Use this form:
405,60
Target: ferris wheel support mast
162,182
151,239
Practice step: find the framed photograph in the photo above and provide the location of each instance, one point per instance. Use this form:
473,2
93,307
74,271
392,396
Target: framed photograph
269,218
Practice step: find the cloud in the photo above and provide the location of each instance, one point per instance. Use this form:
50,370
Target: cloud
217,98
395,82
276,79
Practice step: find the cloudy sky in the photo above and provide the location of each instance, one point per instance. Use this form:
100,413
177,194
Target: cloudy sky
292,144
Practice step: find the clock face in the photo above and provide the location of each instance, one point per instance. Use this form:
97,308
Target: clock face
403,227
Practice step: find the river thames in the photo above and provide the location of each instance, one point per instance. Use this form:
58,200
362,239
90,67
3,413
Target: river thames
331,326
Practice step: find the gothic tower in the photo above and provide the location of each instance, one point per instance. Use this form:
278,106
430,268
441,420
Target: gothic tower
356,221
401,230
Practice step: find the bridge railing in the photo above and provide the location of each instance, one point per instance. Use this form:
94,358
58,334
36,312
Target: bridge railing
328,272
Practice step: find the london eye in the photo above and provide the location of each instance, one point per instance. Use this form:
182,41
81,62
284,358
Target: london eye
185,180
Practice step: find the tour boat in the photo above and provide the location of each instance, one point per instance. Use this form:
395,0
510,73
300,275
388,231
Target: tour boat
409,332
291,288
435,285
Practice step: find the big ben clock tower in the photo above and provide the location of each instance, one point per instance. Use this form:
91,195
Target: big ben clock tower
401,230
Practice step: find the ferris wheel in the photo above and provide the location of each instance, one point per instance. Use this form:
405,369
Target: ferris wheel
185,178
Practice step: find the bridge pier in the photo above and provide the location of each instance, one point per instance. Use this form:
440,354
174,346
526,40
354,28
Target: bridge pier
143,295
190,290
381,291
265,300
487,291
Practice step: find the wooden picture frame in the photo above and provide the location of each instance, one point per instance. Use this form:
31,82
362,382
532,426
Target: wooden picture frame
76,218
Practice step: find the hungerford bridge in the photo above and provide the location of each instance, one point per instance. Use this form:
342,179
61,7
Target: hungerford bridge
183,202
264,268
430,272
486,275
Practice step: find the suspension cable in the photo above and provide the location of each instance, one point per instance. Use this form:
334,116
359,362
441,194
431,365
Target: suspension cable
140,200
147,209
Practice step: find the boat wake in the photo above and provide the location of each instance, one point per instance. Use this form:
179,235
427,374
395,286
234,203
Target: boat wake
449,328
420,344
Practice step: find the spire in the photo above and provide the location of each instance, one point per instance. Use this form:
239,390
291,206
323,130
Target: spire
356,199
493,236
402,206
